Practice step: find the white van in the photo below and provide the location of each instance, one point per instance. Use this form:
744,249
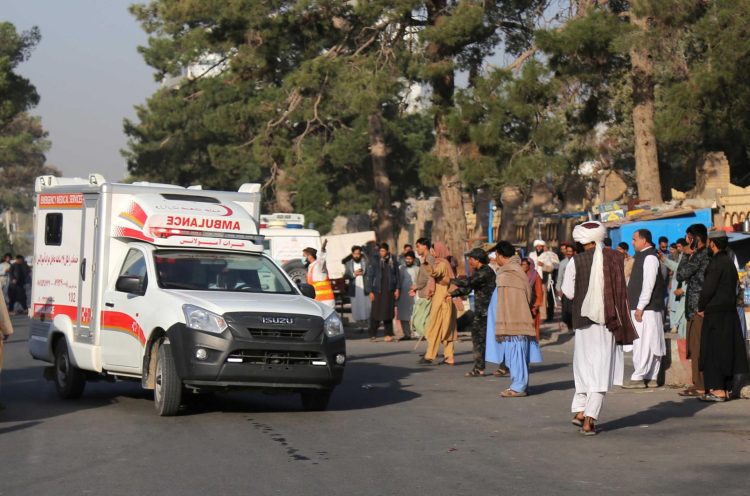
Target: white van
170,286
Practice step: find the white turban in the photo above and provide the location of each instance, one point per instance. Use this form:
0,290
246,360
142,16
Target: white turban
593,303
590,232
539,242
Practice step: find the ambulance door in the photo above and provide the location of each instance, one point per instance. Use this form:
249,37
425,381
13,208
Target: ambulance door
122,338
84,332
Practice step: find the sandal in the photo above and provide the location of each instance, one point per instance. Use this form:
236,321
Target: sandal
577,422
509,393
501,373
690,392
712,398
424,361
445,362
592,431
474,373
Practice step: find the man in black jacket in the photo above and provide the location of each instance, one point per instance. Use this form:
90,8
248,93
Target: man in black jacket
19,276
723,354
383,284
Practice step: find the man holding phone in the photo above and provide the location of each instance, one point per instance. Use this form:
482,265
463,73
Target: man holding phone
692,270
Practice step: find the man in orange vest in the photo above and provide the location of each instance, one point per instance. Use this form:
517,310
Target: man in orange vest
317,275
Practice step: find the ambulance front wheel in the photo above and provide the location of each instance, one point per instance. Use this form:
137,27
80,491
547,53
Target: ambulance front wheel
69,379
168,386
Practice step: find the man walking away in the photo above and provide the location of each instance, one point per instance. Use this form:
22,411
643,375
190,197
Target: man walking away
723,354
692,270
595,283
646,297
407,274
482,282
19,276
355,275
383,284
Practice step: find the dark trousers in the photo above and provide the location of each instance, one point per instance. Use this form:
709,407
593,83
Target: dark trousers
17,294
387,326
406,328
479,340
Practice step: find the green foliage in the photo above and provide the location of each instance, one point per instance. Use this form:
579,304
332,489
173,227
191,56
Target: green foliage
23,141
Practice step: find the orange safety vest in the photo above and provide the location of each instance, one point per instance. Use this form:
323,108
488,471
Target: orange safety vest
323,289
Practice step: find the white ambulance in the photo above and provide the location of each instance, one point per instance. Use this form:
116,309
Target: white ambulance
170,286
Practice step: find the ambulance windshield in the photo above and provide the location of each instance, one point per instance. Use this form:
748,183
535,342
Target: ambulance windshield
218,271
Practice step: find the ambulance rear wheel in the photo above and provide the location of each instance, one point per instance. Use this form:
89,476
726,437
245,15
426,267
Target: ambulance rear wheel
69,379
168,386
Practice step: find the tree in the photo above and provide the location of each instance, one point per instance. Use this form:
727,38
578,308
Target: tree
22,139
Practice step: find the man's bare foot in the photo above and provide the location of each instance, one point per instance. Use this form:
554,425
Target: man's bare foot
589,427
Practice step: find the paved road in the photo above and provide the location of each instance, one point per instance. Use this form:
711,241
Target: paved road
410,431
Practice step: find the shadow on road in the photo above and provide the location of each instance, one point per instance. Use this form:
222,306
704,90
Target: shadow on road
657,413
550,386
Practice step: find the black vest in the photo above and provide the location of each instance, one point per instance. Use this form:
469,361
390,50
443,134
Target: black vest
636,283
583,262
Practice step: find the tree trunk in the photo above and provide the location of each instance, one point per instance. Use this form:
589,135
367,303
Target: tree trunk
646,159
452,229
381,181
282,201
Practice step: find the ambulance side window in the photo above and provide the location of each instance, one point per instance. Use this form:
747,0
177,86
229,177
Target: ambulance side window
135,266
53,229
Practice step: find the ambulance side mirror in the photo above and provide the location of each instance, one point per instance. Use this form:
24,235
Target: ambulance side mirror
131,284
307,290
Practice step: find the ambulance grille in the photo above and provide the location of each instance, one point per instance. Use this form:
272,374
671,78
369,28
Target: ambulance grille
271,357
279,334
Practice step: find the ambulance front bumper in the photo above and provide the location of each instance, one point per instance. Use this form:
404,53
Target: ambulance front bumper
241,359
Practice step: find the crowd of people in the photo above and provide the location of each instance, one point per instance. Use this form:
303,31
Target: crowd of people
615,303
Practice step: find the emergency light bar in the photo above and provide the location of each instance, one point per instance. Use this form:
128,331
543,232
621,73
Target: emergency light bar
280,220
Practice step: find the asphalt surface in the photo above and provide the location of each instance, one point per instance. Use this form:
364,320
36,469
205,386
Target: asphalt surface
393,428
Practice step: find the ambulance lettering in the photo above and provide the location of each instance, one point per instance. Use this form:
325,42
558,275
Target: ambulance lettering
203,223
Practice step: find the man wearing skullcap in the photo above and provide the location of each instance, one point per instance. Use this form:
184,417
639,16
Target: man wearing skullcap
546,262
595,283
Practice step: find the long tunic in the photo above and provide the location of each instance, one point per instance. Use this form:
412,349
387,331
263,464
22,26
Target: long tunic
360,301
596,358
405,304
677,317
384,303
442,320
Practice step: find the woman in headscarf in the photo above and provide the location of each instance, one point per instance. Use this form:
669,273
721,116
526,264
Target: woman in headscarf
441,325
537,294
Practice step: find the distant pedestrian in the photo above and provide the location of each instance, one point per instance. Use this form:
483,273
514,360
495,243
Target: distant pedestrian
646,298
511,336
355,275
423,288
6,329
482,282
722,354
5,275
676,304
19,277
537,297
402,256
382,280
441,325
628,261
407,275
595,282
566,312
546,263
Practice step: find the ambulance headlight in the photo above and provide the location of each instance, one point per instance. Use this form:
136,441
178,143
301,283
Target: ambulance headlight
203,320
333,326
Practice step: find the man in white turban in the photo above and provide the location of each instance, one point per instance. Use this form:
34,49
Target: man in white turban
595,284
545,263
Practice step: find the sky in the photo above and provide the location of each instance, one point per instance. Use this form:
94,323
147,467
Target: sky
89,76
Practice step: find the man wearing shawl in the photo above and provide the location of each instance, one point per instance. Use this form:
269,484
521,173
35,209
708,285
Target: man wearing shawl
441,325
537,298
595,283
511,336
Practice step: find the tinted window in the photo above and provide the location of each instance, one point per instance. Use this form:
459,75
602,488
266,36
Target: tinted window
135,265
53,229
